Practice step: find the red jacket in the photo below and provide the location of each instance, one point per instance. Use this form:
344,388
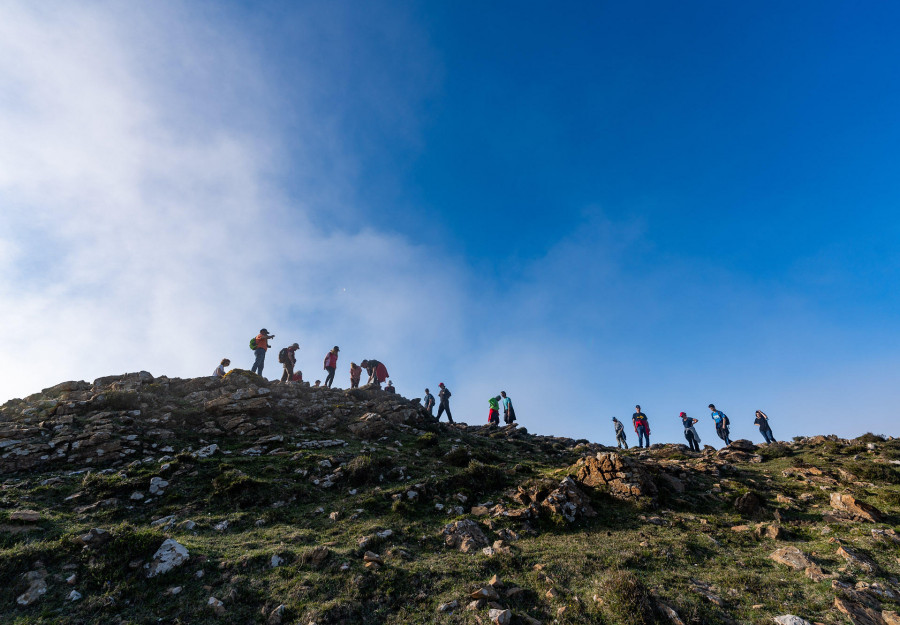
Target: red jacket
331,359
643,422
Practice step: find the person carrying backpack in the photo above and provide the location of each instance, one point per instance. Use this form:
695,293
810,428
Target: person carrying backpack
690,433
494,410
355,373
620,433
390,388
259,345
641,427
444,406
762,420
509,413
429,402
722,423
288,359
331,359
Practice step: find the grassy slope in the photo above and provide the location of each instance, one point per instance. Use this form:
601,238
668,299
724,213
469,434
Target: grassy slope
603,557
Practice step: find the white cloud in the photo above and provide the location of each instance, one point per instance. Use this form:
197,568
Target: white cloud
139,228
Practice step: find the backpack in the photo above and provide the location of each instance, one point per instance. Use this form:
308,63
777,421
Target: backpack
282,355
253,343
725,420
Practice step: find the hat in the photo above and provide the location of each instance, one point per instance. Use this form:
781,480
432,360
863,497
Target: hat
441,384
296,346
683,414
336,348
263,331
614,419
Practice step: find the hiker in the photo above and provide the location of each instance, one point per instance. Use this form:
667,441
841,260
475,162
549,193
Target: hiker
355,372
429,402
297,377
378,373
288,358
494,410
390,387
641,427
444,396
509,413
318,382
259,345
220,370
690,433
722,423
620,433
331,365
762,420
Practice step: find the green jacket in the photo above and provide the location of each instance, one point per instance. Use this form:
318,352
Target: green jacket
495,405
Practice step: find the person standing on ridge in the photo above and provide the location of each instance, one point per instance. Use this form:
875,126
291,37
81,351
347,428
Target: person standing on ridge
378,373
390,387
429,402
641,427
620,433
690,433
355,373
331,359
762,420
288,359
444,406
494,410
722,423
509,413
259,345
220,370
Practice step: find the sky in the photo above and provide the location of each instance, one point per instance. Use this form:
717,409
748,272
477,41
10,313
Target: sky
613,204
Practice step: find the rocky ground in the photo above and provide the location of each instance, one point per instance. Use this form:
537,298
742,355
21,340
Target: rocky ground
136,499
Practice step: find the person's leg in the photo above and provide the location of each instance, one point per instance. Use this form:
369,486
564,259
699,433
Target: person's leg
767,434
449,416
330,379
440,410
260,361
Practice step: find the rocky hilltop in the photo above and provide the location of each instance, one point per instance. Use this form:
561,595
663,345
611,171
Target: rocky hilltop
142,499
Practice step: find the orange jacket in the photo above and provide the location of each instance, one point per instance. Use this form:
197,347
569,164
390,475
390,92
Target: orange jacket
262,341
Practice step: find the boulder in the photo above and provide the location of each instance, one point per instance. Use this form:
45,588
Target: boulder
858,614
748,504
858,510
624,477
857,559
25,516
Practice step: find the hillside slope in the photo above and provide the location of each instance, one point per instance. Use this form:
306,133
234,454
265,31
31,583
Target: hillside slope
136,499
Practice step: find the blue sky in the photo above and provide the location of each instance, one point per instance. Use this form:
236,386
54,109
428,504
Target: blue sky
617,203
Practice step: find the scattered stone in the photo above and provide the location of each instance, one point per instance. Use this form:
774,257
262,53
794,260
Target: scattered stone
174,590
887,536
25,516
276,616
36,589
216,606
464,535
500,617
790,619
449,606
276,561
171,554
206,452
221,526
749,503
791,557
95,538
485,592
370,556
136,495
74,596
708,591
